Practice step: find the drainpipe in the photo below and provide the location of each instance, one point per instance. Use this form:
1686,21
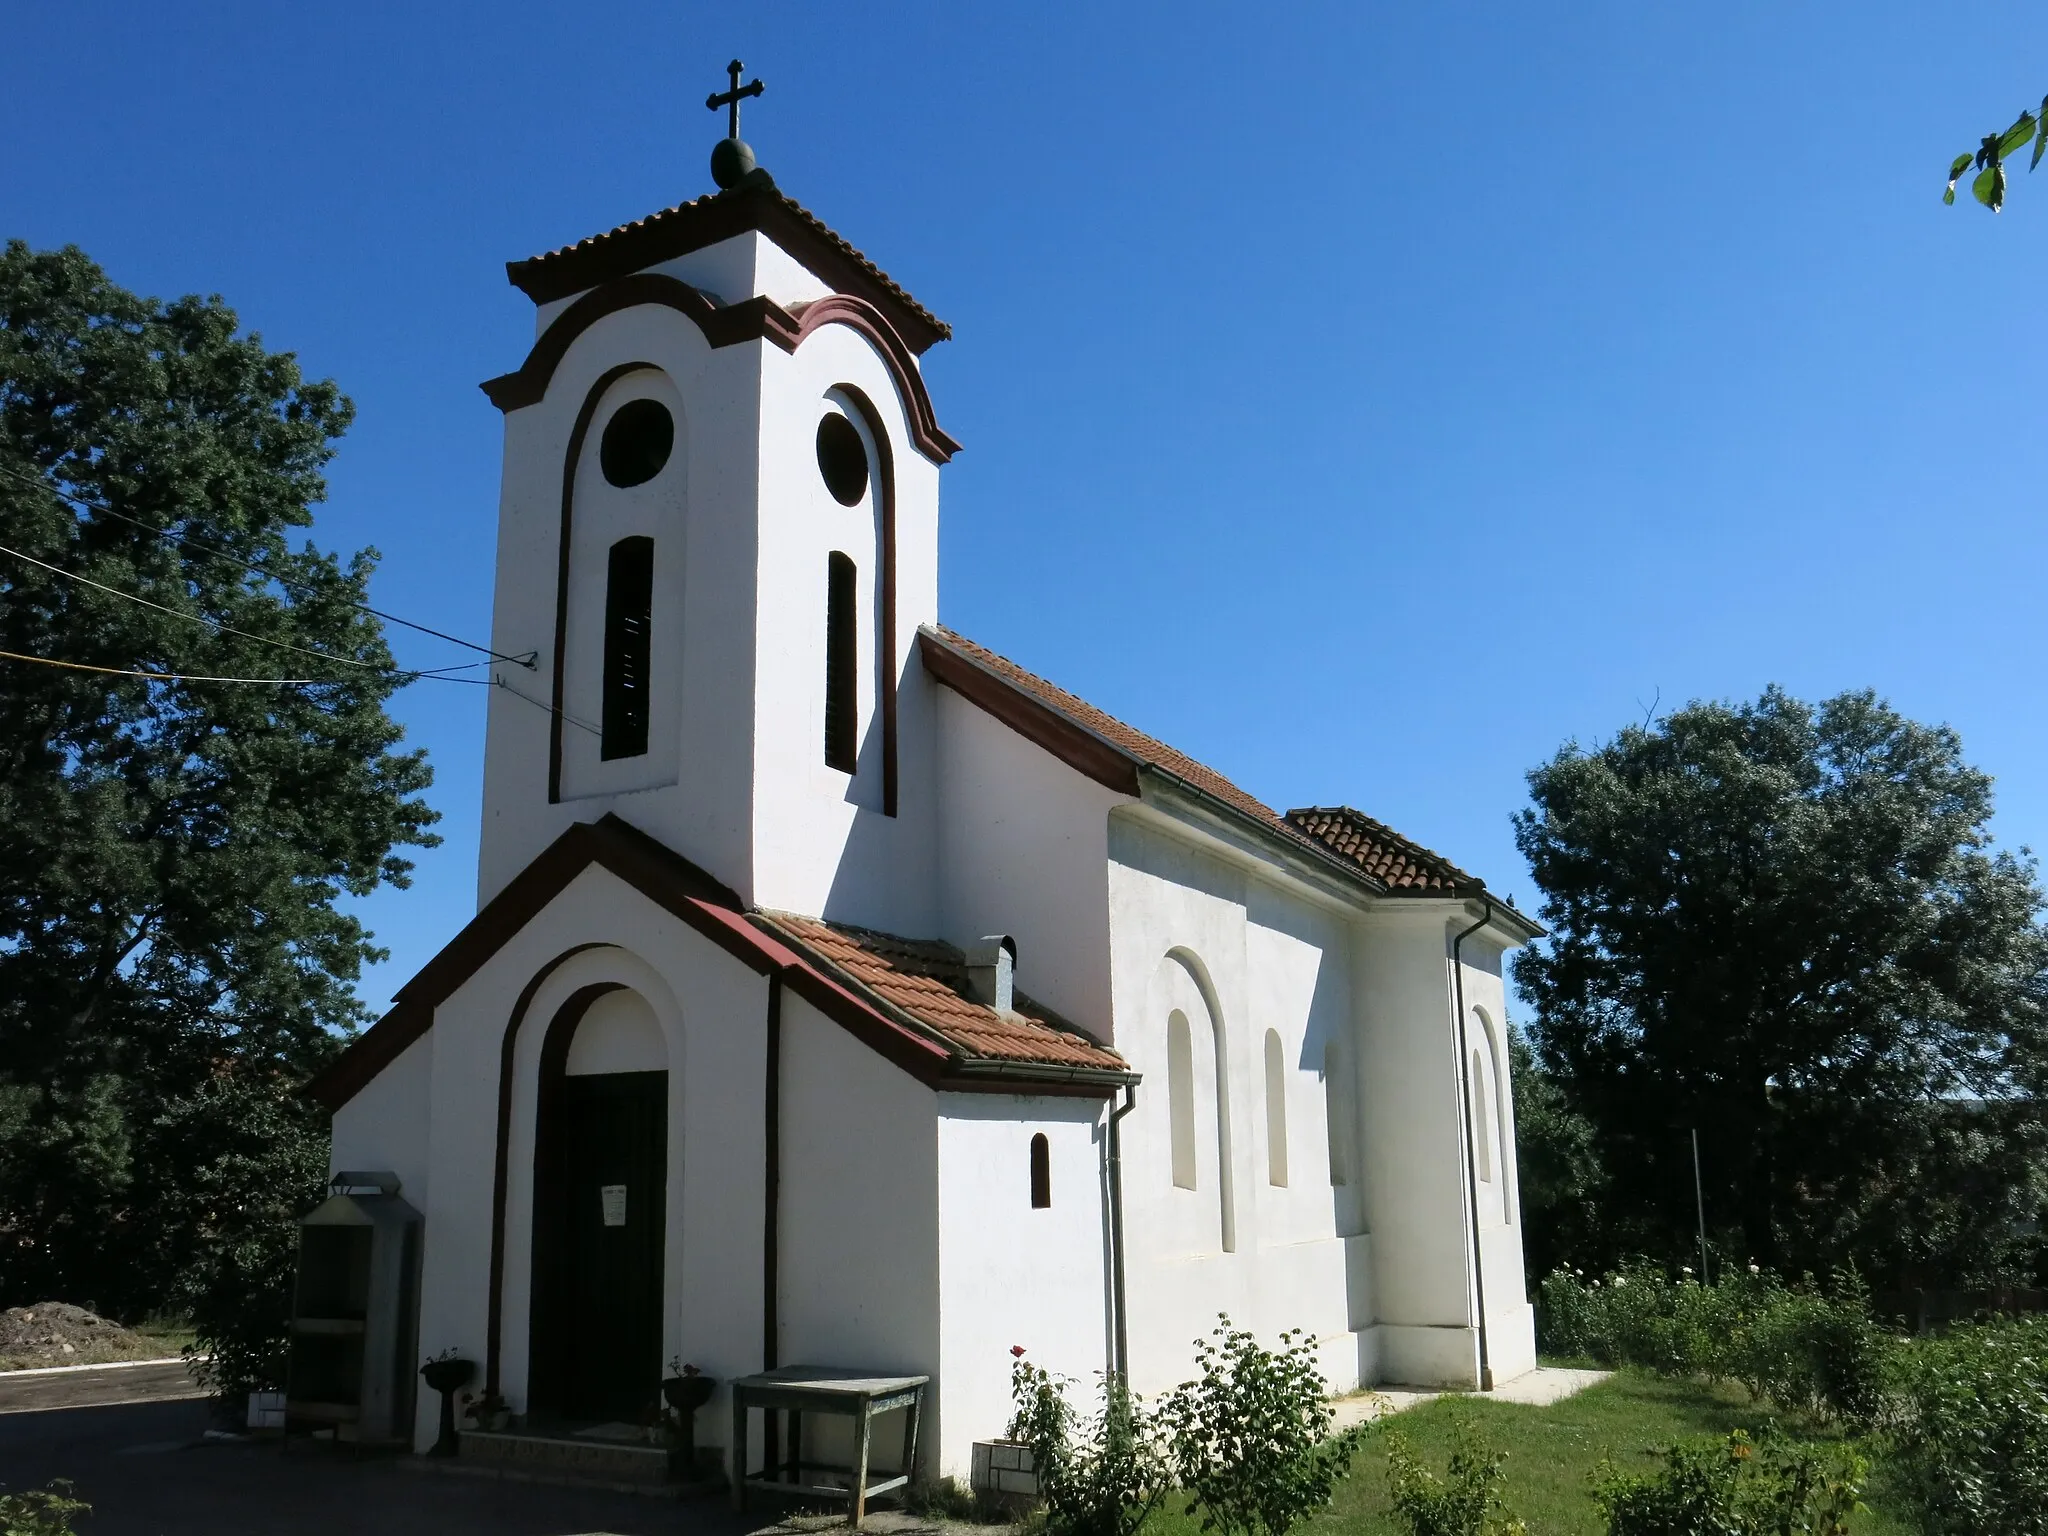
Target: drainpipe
1471,1171
1121,1363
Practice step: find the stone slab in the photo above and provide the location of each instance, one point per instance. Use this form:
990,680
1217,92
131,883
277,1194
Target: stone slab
600,1461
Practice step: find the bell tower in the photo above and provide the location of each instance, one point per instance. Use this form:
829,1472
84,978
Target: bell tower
718,534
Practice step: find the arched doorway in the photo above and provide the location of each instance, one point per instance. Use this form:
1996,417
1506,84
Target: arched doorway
600,1195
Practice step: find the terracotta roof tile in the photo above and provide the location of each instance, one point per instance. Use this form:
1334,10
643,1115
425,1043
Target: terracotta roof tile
927,979
1405,868
547,273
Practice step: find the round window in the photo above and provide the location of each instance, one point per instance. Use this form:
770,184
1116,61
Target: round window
637,442
842,459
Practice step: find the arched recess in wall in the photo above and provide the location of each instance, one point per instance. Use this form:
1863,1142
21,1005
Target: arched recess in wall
1276,1110
860,409
1180,1098
600,1204
614,501
1498,1123
1191,963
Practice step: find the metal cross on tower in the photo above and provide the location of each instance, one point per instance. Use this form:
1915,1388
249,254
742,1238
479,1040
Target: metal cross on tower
731,98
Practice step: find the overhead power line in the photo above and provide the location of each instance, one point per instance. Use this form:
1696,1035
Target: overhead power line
180,677
214,624
42,482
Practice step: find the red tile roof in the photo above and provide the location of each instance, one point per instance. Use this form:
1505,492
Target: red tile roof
1405,868
927,980
717,216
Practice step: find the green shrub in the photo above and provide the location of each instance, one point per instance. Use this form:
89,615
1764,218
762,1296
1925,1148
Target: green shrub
1250,1436
1969,1428
1465,1501
1815,1352
1727,1488
40,1511
1818,1354
1102,1475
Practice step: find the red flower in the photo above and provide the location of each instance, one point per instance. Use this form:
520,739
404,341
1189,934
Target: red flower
1017,1350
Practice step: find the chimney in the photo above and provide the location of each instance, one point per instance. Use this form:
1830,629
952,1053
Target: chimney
992,971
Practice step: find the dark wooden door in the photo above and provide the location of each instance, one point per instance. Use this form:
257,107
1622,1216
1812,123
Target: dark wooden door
601,1185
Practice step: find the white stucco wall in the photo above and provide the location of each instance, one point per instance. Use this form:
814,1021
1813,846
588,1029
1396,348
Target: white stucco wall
1024,850
859,1217
1193,932
385,1125
822,843
1011,1274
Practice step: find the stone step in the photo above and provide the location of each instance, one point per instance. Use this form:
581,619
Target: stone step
565,1456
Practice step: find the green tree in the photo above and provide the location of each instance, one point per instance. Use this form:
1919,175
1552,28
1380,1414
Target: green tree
1783,925
1565,1218
172,853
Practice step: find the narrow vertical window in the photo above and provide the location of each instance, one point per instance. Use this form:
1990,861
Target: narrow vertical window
1041,1173
1336,1123
1276,1110
1180,1096
1482,1138
842,664
628,608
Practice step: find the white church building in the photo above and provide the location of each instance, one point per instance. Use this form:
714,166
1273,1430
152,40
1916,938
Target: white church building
840,992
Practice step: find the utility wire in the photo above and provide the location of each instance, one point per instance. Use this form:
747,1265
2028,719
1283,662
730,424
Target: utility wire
177,677
549,708
200,618
42,482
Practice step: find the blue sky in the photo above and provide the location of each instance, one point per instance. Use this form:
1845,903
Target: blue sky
1364,399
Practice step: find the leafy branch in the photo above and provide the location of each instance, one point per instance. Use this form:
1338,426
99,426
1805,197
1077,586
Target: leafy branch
1989,186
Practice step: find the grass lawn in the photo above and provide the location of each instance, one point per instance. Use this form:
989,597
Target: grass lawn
1553,1451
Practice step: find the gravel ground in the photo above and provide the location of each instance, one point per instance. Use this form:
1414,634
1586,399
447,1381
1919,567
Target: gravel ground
57,1333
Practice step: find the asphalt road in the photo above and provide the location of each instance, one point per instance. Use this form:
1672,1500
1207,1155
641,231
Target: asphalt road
147,1471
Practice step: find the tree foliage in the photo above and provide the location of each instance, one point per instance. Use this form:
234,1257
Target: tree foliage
1784,925
1563,1188
173,855
1991,154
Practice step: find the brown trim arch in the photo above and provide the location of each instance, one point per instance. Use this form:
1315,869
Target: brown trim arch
500,1173
753,319
859,315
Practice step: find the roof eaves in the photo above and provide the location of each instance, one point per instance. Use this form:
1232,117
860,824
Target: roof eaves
1274,835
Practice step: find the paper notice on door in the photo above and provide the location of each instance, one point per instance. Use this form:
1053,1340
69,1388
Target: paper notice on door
613,1198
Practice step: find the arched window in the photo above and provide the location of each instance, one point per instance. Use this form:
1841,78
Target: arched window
1041,1173
1336,1124
1180,1096
1276,1110
1482,1115
842,663
628,607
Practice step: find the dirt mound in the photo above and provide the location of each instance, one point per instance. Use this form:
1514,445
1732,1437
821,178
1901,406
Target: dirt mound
56,1333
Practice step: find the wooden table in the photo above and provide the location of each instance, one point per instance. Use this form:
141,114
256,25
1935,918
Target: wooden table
801,1389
